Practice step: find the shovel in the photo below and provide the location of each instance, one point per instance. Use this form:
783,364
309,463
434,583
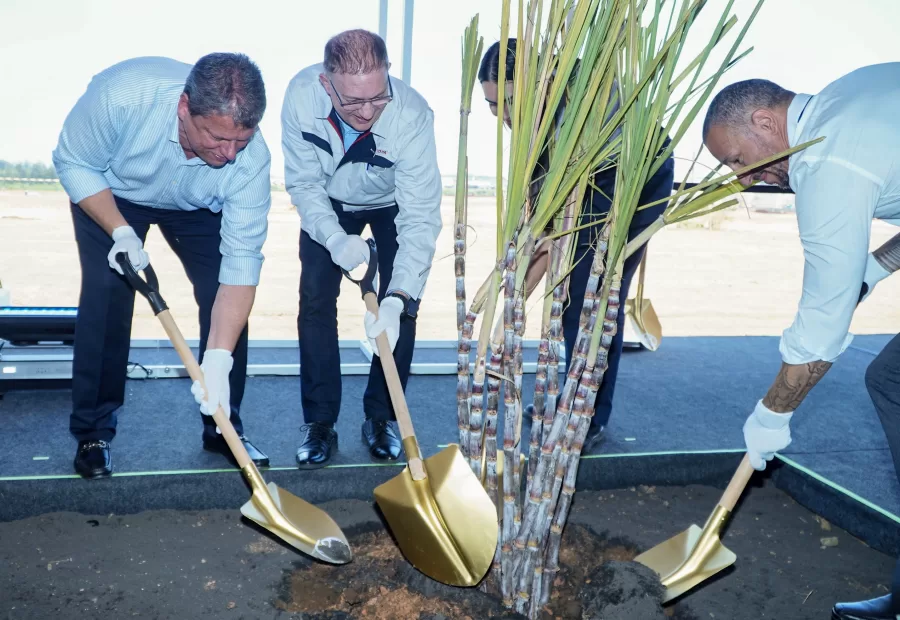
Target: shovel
690,558
292,519
442,518
640,314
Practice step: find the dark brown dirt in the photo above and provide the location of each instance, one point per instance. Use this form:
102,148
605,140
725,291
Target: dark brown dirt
206,565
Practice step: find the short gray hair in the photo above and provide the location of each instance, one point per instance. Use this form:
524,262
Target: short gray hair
224,84
355,52
734,105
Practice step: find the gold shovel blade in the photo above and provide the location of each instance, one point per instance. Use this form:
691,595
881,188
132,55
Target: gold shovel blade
644,322
689,558
445,524
295,521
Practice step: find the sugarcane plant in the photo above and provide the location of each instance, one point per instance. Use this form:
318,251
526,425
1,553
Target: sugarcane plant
597,84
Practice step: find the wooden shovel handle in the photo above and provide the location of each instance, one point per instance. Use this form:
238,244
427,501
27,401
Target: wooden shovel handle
738,482
193,368
395,389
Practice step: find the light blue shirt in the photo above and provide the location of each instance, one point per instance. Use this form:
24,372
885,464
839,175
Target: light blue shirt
122,135
842,184
350,135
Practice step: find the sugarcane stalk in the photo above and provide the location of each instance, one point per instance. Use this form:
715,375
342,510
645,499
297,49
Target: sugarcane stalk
632,61
594,378
463,384
540,383
509,428
490,423
476,417
471,54
518,336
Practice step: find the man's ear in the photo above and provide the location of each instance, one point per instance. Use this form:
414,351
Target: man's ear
183,107
323,80
764,120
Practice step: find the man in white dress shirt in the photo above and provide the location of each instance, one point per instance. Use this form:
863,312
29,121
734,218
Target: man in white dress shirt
157,141
841,183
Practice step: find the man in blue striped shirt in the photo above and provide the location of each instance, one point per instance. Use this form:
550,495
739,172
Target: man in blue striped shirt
157,141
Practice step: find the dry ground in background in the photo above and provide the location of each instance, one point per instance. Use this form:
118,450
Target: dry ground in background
732,276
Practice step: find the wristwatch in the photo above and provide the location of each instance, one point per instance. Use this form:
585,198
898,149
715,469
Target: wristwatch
402,297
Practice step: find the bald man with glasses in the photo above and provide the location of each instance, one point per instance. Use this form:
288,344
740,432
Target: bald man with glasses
359,150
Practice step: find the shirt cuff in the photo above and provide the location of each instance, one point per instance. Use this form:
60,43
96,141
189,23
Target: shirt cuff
409,285
240,271
794,353
323,229
80,183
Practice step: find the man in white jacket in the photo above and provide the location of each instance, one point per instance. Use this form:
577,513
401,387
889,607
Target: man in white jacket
842,183
359,150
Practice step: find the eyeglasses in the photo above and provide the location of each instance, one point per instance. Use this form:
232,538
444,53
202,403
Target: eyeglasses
377,102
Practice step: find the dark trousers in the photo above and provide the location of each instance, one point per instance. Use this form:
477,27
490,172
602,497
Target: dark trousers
597,205
883,384
106,306
320,284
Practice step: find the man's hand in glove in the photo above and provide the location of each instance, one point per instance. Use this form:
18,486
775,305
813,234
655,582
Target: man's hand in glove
126,240
765,433
388,321
347,251
216,367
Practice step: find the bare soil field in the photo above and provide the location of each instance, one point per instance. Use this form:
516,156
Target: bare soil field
736,274
211,565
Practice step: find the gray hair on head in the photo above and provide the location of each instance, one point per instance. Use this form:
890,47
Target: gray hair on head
355,52
734,105
224,84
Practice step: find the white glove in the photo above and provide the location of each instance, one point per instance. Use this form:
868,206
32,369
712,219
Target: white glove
388,321
347,251
126,240
765,433
875,273
216,367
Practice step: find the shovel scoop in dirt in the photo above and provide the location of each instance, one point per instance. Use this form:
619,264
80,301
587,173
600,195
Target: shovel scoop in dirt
442,518
292,519
693,556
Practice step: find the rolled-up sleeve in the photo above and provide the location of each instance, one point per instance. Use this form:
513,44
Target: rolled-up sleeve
835,205
86,143
245,219
304,178
418,194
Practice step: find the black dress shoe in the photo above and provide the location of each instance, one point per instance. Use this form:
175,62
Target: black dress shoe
320,441
220,446
880,608
383,439
595,436
92,460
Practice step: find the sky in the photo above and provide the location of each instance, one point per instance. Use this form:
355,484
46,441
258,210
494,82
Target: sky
50,51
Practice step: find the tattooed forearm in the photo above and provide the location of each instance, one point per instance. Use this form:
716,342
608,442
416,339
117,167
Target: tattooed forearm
888,255
792,384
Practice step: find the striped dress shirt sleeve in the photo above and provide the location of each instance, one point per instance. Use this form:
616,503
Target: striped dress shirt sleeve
86,143
245,219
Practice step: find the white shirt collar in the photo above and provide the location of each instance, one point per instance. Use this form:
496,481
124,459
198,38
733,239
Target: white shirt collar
796,117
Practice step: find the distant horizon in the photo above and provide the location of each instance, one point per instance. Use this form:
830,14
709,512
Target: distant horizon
49,66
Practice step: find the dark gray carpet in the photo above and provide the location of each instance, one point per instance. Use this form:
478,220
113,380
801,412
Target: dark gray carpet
693,394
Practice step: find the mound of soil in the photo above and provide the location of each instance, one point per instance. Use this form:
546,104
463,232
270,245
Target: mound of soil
595,582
